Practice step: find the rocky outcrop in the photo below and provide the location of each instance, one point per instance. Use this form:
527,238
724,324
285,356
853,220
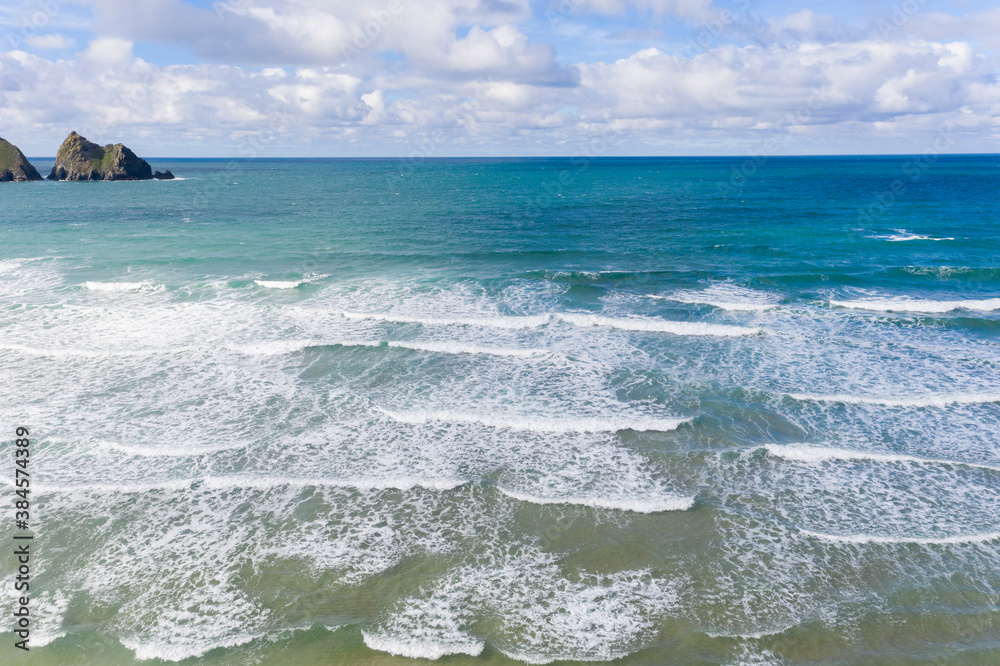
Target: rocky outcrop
79,159
163,176
14,166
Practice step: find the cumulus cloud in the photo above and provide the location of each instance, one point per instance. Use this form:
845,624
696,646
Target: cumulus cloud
303,32
855,81
477,77
501,53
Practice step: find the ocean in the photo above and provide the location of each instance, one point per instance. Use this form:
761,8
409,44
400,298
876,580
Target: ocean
660,411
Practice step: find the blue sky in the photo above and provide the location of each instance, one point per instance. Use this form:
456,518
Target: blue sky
275,78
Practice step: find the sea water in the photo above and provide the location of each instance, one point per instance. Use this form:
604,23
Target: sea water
506,411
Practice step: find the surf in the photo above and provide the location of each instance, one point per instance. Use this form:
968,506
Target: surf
580,424
934,400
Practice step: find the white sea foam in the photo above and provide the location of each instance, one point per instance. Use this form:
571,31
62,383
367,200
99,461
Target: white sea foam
983,537
456,347
256,483
54,352
904,235
811,454
576,319
73,352
122,286
537,424
184,649
658,325
725,296
116,488
170,451
754,635
540,659
413,647
940,400
540,616
279,347
510,322
363,484
638,505
280,284
917,305
49,612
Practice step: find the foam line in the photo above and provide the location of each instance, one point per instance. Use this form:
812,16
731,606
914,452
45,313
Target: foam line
810,454
676,503
168,451
984,537
941,400
751,635
57,353
738,306
176,484
512,322
916,305
433,650
462,348
582,320
540,659
904,235
122,286
536,424
363,484
173,652
658,325
725,295
280,284
279,347
258,483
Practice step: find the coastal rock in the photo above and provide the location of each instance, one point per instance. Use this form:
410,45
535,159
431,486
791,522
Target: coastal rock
164,175
14,166
79,159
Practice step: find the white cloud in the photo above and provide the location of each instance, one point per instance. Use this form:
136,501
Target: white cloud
313,32
477,76
108,51
501,53
857,80
51,42
691,9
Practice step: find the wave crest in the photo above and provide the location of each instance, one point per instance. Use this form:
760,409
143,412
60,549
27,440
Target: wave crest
280,284
917,305
812,454
537,424
575,319
941,400
984,537
656,505
122,286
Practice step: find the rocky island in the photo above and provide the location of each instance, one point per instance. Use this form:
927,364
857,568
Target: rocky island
14,166
79,159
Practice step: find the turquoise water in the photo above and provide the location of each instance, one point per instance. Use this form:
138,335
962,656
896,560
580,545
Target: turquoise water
507,411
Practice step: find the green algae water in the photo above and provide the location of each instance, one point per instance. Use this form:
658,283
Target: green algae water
508,411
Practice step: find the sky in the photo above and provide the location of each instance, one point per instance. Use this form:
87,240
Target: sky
439,78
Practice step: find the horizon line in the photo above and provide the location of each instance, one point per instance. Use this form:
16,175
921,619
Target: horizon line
548,157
